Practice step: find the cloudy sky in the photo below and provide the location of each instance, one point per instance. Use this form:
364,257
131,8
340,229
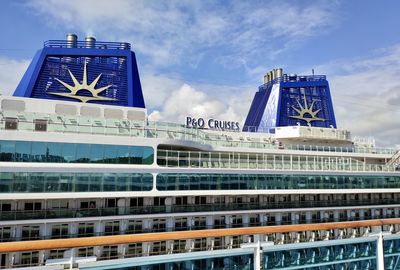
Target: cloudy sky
207,58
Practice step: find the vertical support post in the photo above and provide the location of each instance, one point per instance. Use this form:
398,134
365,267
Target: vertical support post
257,256
72,259
379,252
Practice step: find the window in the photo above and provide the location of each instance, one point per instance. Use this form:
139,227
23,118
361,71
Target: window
217,243
40,125
158,201
136,202
219,222
200,244
181,201
235,241
3,260
59,204
180,223
159,248
110,252
30,232
72,182
254,220
135,226
236,221
134,250
88,204
59,231
200,223
5,233
5,207
111,203
30,258
11,123
85,229
28,151
179,246
33,206
200,200
85,252
219,200
159,224
111,228
56,254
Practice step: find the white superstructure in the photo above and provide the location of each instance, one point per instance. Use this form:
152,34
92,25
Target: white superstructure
96,186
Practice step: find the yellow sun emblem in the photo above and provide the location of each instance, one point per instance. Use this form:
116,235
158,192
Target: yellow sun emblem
73,90
306,113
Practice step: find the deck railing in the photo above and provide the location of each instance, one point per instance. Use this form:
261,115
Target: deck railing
151,129
260,161
151,209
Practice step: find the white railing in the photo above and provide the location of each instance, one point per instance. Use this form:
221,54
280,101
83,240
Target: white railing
149,129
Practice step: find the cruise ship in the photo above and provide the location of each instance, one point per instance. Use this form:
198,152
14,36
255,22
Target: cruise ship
88,181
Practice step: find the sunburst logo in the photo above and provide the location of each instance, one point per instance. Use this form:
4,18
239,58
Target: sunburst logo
306,113
77,87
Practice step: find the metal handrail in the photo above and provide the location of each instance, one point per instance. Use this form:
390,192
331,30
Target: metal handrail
68,243
84,45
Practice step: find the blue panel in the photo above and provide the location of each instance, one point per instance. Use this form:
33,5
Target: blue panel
56,62
137,94
300,100
317,93
257,108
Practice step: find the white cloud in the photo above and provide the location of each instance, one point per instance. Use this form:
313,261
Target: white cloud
11,72
176,32
188,101
366,94
157,87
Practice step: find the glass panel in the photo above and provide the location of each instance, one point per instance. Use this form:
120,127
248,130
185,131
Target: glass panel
78,182
52,182
54,152
257,181
97,153
39,152
6,182
7,150
123,154
110,154
148,155
109,183
82,182
82,153
69,152
95,182
25,151
22,151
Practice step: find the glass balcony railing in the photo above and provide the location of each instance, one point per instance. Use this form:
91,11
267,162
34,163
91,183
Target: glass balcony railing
262,161
148,129
144,210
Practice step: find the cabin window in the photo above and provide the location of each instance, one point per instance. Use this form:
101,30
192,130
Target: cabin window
11,123
40,125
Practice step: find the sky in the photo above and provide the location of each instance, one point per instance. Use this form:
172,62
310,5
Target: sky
207,58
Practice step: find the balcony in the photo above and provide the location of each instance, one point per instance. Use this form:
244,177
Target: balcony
189,208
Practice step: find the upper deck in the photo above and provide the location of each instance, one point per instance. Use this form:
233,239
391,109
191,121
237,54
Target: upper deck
54,117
